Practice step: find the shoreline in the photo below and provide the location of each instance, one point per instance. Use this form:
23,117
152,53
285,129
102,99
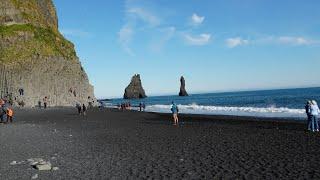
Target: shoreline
219,116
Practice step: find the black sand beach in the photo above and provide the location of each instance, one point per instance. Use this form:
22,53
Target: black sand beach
108,144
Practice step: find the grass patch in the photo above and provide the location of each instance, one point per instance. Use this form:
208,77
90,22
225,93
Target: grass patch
26,40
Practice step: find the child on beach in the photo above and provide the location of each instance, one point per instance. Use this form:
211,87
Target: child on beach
175,110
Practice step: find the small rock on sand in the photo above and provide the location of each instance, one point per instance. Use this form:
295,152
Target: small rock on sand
40,164
55,169
43,167
35,176
13,163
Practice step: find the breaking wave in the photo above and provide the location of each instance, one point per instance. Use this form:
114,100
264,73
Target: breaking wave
225,110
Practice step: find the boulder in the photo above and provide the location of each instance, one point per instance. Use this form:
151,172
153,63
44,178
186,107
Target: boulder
183,91
134,90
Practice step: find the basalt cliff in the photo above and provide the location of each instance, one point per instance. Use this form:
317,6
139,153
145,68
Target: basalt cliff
36,61
134,90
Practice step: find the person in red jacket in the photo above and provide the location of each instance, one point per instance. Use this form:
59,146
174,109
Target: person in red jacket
9,115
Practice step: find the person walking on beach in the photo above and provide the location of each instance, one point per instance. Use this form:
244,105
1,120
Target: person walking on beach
78,106
315,113
308,112
45,101
175,110
143,106
39,104
140,106
84,110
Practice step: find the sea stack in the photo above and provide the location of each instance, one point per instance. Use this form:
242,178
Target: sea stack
183,91
36,61
134,90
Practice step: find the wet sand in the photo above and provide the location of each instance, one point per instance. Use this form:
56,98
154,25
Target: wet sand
109,144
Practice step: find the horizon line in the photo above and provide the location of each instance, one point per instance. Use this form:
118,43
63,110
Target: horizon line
222,91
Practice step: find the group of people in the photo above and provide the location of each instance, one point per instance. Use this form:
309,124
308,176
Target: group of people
82,109
312,111
6,110
45,103
142,106
124,106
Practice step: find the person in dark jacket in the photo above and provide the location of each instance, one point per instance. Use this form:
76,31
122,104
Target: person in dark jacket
308,112
78,106
84,110
2,114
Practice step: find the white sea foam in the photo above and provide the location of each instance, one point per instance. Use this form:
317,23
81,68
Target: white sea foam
225,110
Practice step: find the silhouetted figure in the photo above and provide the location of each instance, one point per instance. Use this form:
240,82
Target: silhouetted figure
143,106
78,106
140,106
39,104
21,92
2,113
308,112
84,109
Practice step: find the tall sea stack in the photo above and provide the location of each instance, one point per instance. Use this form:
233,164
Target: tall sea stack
36,61
134,90
183,91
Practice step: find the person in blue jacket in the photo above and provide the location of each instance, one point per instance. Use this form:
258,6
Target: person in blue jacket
175,111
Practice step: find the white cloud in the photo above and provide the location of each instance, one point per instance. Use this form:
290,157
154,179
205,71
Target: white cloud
75,33
196,19
125,36
291,40
197,40
286,40
167,34
144,15
234,42
138,18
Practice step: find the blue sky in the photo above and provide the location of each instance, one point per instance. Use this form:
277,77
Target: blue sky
218,45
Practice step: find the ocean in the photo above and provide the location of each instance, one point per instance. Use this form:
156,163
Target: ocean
284,103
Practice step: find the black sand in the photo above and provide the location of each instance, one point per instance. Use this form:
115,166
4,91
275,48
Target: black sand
110,144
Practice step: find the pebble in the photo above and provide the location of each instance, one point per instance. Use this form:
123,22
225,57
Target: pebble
35,176
43,167
13,163
55,169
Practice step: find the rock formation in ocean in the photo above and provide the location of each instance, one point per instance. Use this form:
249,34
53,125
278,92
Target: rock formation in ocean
134,90
36,61
183,91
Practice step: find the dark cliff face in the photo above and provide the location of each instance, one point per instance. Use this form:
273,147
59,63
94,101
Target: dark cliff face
35,57
40,13
134,90
183,91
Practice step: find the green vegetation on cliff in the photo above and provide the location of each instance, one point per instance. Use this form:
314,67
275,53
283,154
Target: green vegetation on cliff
38,12
22,41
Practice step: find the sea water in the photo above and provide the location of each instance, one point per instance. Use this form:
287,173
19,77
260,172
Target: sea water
265,103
